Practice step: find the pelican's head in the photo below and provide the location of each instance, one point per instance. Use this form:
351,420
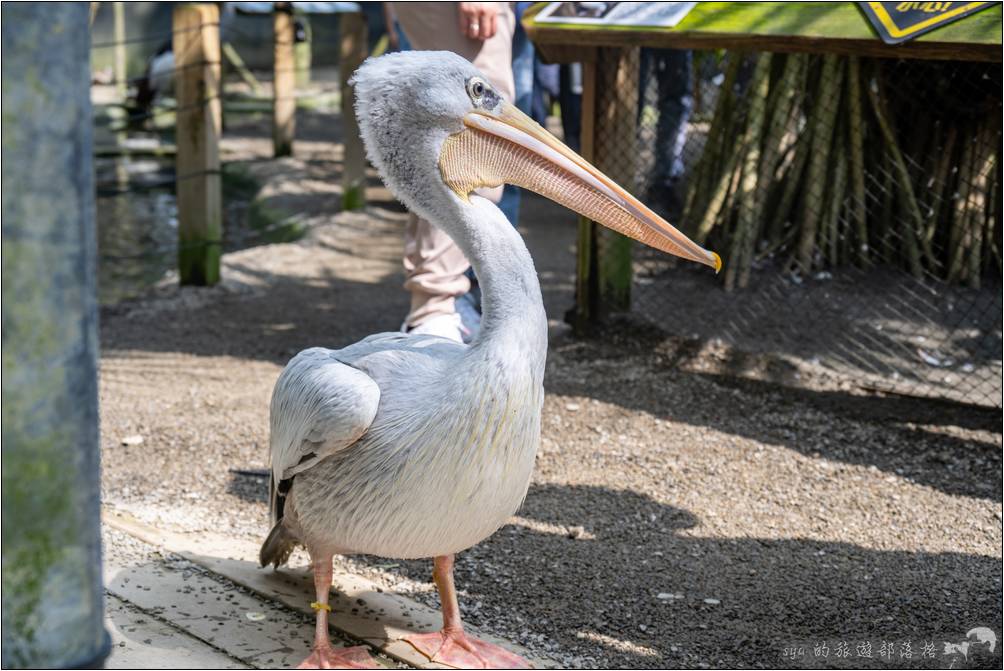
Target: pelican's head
436,130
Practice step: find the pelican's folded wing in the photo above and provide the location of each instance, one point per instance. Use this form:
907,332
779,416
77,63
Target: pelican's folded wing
319,406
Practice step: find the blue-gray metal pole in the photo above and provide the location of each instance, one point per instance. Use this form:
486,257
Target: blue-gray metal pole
52,594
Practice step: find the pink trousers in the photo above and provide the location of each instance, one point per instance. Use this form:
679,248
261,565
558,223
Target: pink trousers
433,264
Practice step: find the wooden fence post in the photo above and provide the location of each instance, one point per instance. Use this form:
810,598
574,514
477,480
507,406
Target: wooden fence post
284,80
121,78
609,137
352,29
199,117
615,154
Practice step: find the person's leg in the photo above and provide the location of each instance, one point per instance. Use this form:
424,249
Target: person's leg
673,74
402,40
435,267
571,104
671,70
546,88
509,203
522,72
522,66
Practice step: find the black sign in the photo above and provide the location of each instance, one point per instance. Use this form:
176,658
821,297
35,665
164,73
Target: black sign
898,22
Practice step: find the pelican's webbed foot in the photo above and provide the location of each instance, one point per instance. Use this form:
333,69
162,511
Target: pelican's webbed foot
454,648
327,657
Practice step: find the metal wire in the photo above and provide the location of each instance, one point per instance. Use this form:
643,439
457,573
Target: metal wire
157,250
880,270
856,204
151,37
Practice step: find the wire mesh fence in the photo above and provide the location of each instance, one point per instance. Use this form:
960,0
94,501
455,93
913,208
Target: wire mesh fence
855,203
135,119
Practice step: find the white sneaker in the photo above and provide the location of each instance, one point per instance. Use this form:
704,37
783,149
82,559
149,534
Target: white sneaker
444,326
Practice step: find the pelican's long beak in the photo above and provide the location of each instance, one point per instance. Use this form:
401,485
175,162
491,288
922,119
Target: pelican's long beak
507,147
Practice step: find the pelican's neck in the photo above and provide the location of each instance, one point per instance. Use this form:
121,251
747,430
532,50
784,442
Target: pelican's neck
513,321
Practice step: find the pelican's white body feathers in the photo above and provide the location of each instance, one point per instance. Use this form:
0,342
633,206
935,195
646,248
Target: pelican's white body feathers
405,445
445,459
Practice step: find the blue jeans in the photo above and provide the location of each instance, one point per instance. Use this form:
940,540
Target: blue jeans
570,99
671,69
523,58
522,71
402,40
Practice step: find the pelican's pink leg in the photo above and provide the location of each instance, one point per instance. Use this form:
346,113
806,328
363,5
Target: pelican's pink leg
324,656
451,646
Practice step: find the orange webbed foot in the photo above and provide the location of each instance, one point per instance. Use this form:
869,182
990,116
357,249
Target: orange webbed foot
357,657
460,651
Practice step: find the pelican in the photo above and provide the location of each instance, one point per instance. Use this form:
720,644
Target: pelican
414,446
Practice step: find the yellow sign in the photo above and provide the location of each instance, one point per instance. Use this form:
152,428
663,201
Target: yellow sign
898,22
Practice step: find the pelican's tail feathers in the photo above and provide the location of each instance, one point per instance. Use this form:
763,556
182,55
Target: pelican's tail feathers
278,546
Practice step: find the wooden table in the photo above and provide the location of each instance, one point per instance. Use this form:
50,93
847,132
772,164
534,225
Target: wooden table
609,54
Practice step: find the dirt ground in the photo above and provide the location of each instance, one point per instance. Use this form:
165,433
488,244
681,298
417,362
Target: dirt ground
677,517
876,329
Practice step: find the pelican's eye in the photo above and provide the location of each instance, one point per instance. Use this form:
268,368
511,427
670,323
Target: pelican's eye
476,88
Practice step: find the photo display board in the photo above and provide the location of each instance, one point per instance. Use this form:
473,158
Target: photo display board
653,14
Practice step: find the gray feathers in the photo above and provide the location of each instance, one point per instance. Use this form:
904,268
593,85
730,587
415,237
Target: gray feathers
407,104
414,446
319,406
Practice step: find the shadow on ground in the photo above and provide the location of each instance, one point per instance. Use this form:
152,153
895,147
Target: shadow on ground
638,367
629,365
623,571
604,584
768,592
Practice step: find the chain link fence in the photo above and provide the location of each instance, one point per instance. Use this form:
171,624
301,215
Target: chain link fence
135,127
855,203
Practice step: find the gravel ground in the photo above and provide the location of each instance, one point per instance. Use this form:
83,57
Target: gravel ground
677,517
878,329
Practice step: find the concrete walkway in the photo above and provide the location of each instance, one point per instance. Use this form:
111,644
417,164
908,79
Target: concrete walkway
201,601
